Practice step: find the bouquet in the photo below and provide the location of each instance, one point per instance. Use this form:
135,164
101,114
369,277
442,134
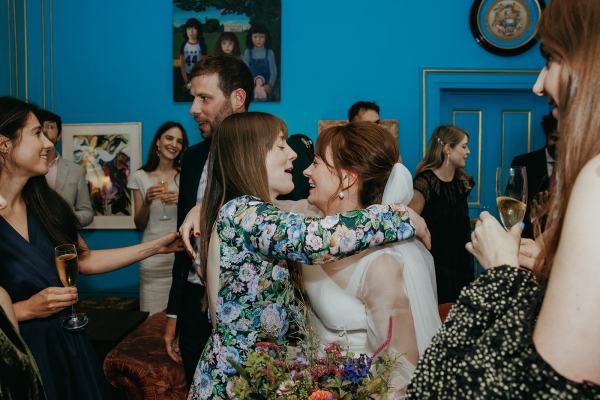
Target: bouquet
274,372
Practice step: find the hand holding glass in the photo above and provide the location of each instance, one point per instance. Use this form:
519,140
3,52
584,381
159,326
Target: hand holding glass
65,257
511,195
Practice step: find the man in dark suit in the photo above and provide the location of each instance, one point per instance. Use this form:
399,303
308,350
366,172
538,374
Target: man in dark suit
539,164
221,86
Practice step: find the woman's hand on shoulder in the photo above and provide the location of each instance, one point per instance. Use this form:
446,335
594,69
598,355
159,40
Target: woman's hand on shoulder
421,230
492,245
46,302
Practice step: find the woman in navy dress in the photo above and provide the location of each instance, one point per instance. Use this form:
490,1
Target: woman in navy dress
34,221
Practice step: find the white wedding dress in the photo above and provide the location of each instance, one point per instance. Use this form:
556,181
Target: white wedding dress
354,299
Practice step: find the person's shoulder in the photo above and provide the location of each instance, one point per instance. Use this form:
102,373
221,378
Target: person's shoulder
425,177
137,178
522,159
587,182
139,174
197,149
232,208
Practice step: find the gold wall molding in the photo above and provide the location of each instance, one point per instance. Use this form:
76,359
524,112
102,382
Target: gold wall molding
526,112
427,72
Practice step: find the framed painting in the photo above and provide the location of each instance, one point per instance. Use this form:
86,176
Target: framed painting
391,125
108,153
248,29
505,27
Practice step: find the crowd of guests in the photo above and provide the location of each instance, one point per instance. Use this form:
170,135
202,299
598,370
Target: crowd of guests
369,245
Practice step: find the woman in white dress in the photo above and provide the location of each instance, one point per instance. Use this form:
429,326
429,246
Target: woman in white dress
355,300
155,192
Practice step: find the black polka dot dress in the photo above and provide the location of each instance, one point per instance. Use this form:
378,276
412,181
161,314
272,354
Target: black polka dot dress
485,349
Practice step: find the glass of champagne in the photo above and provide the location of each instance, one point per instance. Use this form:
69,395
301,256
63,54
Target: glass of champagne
165,188
65,257
511,195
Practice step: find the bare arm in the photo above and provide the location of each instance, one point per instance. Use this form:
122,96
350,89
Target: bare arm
141,212
567,331
99,261
418,202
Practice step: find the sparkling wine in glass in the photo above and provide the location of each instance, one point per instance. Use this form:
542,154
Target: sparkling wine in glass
165,188
511,195
65,257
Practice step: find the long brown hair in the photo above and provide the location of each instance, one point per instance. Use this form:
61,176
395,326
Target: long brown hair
570,34
236,166
364,148
53,213
434,156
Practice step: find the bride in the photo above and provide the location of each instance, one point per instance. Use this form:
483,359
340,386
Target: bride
354,305
354,299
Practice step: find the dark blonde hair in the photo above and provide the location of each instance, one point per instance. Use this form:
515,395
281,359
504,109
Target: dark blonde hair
364,148
236,166
569,31
434,156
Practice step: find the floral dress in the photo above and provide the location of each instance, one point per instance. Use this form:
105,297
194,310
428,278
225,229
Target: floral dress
255,292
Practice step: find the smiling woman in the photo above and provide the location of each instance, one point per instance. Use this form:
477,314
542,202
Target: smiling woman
246,242
441,191
36,220
155,192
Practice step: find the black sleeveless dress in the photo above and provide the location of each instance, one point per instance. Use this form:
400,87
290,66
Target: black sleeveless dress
66,360
446,213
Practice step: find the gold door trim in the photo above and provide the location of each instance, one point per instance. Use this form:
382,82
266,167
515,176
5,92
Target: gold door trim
528,112
427,71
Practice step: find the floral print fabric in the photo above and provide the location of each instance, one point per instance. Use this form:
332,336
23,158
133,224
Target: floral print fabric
255,292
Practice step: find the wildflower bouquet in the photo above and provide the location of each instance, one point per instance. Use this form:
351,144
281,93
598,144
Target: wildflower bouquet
272,372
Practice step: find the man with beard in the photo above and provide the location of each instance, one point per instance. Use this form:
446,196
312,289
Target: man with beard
539,165
221,86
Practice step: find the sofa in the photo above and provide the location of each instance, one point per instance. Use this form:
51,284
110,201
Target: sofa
140,368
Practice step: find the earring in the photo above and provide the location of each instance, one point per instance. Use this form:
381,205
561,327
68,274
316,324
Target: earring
448,160
341,195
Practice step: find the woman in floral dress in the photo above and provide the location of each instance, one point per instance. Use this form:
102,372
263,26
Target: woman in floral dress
244,258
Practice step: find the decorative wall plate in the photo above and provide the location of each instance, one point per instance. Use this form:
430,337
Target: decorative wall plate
505,27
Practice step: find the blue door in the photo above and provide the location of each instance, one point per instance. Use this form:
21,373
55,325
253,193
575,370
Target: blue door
501,125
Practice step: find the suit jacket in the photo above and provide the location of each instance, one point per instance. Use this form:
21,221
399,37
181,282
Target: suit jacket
192,165
537,180
72,186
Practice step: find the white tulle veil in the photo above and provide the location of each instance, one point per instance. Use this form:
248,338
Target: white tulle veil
419,270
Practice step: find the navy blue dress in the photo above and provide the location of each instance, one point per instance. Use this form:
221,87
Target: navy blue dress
66,360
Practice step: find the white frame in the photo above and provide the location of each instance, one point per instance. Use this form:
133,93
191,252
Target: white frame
131,129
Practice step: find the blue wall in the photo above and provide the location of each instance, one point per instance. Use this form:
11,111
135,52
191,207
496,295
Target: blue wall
112,63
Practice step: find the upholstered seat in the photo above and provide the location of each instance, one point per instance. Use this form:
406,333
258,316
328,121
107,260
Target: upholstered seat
140,367
444,309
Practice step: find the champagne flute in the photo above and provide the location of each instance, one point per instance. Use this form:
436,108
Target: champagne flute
165,188
511,195
65,257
